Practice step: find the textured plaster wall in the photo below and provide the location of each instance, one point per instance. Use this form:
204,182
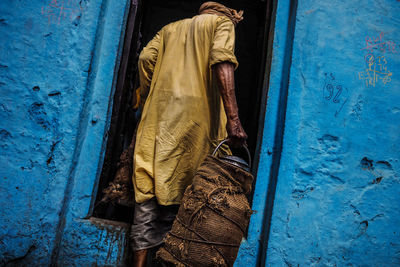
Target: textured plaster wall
57,64
337,198
329,166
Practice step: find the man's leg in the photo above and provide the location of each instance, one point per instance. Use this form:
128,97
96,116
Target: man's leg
166,218
144,231
140,258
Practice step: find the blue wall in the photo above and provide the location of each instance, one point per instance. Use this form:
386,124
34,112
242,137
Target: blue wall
57,65
327,191
336,200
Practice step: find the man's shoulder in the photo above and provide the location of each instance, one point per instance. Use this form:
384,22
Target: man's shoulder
203,18
213,18
177,23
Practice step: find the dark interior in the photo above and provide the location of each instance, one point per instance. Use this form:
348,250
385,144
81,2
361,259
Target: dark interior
145,19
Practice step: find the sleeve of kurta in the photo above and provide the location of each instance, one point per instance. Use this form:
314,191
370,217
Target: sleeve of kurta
147,62
223,44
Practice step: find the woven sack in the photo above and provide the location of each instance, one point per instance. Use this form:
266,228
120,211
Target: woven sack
212,218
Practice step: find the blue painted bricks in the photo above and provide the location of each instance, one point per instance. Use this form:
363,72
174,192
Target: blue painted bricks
327,191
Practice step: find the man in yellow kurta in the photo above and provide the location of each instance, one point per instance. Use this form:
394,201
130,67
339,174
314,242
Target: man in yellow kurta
183,115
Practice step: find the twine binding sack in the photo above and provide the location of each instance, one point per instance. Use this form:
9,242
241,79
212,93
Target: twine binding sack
213,216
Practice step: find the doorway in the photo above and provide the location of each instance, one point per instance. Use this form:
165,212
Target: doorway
146,18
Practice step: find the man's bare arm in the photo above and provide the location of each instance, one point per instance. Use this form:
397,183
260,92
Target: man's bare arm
224,73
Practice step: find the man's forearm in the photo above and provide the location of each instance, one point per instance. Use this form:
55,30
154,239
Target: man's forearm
224,73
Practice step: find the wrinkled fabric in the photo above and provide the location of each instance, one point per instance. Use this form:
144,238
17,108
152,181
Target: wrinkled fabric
183,116
151,223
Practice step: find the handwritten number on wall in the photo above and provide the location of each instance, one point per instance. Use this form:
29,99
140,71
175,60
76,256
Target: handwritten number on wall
339,91
334,92
376,69
57,11
329,88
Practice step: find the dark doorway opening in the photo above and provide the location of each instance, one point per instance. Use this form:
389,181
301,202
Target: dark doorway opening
146,18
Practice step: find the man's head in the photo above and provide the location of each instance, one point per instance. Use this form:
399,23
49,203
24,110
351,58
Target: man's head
220,9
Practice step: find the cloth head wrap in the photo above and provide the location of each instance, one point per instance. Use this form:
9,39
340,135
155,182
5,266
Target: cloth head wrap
219,9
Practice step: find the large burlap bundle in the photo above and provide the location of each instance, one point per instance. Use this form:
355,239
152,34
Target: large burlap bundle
212,218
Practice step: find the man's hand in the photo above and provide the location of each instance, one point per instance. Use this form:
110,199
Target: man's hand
224,73
236,134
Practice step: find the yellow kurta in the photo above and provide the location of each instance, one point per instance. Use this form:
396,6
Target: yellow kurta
183,116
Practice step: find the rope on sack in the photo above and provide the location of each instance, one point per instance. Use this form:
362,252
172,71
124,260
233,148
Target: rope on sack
199,235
